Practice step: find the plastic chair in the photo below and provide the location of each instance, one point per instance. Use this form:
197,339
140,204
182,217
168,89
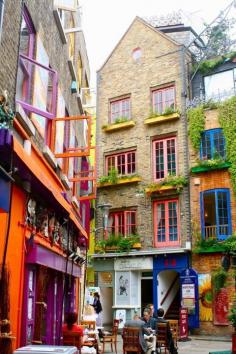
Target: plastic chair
162,340
72,339
131,340
174,327
110,338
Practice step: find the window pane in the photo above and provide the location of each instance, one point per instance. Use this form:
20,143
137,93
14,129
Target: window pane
120,109
223,213
159,153
219,144
206,146
173,225
169,100
171,163
209,215
161,230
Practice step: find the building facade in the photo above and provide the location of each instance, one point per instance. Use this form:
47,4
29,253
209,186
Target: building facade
46,179
143,246
213,191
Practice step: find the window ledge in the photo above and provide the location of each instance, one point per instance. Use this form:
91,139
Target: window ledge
120,181
24,120
112,127
199,169
160,189
49,157
162,118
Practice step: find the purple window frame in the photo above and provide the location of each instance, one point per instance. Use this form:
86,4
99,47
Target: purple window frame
160,100
121,111
124,163
161,165
33,109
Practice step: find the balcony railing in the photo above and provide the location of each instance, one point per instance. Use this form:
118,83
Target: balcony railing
217,97
212,232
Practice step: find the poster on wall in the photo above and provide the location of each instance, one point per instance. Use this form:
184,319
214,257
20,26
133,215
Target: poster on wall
205,297
121,316
221,307
122,288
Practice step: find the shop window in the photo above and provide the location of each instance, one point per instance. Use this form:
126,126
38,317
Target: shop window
212,145
163,99
166,223
120,110
164,158
216,214
124,163
123,223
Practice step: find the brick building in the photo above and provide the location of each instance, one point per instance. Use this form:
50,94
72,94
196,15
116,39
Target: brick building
143,168
44,178
212,193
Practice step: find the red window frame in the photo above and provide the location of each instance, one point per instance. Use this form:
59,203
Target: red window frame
162,165
124,162
163,98
167,233
120,109
124,222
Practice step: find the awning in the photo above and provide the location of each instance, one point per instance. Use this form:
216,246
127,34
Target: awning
35,163
47,258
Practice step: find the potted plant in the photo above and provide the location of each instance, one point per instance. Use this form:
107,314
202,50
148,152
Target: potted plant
232,319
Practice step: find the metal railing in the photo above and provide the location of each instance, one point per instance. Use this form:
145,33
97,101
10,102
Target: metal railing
217,97
213,231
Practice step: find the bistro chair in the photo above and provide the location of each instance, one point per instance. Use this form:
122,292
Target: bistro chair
162,340
131,340
174,327
110,338
72,338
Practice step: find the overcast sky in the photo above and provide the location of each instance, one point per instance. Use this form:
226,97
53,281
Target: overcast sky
105,21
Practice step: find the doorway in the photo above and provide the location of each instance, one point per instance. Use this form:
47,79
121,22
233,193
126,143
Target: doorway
146,292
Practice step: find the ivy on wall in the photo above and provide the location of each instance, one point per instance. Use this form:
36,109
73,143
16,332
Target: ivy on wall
227,119
196,125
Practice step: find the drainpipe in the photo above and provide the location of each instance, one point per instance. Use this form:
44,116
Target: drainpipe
186,190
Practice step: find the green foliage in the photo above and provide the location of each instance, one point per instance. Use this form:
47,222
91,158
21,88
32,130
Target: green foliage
120,120
232,317
6,117
218,37
176,181
219,277
196,121
167,111
230,244
113,177
122,243
227,118
211,244
207,66
210,163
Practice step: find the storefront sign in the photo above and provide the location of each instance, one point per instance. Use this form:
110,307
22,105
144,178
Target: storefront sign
138,263
183,323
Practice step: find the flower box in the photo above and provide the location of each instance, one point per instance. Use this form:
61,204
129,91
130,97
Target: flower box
119,181
117,126
199,169
161,118
160,189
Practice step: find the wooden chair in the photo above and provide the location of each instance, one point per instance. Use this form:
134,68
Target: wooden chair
88,324
162,340
72,338
110,338
131,340
174,327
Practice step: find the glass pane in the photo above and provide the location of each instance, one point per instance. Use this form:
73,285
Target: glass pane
171,163
219,145
206,146
24,38
210,226
223,213
159,153
161,230
173,225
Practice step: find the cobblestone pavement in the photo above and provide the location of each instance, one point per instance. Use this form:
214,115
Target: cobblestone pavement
197,345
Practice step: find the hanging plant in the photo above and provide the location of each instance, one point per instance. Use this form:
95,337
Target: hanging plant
227,119
196,119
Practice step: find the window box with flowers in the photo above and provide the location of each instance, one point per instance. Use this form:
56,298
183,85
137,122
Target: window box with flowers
168,115
121,123
169,183
113,178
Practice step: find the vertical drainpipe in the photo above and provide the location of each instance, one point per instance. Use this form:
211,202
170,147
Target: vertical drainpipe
186,190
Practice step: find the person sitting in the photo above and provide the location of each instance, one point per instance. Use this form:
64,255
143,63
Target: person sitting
152,310
144,335
150,322
71,325
150,326
160,319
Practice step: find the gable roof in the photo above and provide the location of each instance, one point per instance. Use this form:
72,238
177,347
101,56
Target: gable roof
139,19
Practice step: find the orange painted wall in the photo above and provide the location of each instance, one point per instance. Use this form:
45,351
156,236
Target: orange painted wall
15,262
3,225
